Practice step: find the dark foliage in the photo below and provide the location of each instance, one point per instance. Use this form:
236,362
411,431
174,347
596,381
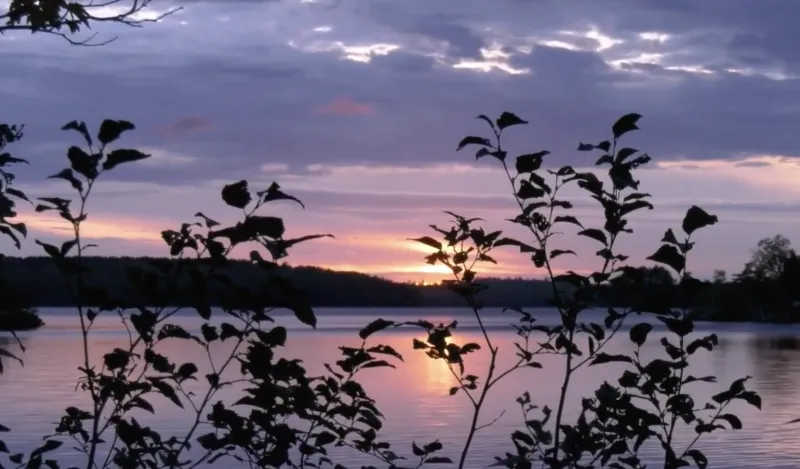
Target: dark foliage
285,417
651,398
19,319
69,18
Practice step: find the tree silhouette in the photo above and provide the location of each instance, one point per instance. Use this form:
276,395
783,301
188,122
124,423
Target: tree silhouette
67,19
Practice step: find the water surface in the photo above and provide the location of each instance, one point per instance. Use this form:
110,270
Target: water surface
414,397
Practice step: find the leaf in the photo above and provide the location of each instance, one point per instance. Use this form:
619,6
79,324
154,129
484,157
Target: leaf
530,162
472,140
529,191
669,237
485,118
51,250
81,162
186,370
385,350
7,231
236,194
49,445
21,228
228,330
168,391
733,420
271,227
595,234
373,327
638,333
7,354
751,398
416,449
558,252
17,193
624,153
67,175
428,241
110,130
697,218
669,255
208,221
568,219
66,246
80,127
571,278
291,242
275,337
603,357
625,124
324,438
438,460
636,196
142,404
173,331
274,192
484,151
304,313
513,242
203,310
633,206
508,119
117,157
6,158
454,390
699,458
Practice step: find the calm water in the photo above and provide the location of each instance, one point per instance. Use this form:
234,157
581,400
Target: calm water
414,397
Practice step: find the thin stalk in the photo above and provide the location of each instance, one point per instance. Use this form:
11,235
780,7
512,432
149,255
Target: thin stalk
473,427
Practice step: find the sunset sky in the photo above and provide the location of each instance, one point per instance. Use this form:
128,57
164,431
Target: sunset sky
356,107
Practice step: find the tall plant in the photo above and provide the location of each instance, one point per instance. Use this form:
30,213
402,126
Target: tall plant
651,399
10,228
282,417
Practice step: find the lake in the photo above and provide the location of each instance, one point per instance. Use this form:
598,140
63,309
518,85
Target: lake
414,397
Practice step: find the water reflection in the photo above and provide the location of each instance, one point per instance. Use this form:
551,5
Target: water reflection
414,397
778,343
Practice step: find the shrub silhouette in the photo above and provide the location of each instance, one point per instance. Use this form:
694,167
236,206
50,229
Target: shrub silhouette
287,418
650,399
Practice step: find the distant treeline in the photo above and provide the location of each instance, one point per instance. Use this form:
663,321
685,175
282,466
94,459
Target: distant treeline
756,294
36,281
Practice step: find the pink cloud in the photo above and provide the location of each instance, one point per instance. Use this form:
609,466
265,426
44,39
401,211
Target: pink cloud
184,126
345,106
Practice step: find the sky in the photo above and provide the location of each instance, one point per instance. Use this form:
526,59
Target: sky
356,107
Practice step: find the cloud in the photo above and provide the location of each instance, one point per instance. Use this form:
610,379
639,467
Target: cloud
185,126
274,167
163,159
229,90
345,106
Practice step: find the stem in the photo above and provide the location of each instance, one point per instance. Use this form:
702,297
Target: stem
563,395
473,427
684,356
209,394
97,404
324,412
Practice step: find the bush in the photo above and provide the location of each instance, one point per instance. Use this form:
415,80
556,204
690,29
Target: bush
19,319
286,418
